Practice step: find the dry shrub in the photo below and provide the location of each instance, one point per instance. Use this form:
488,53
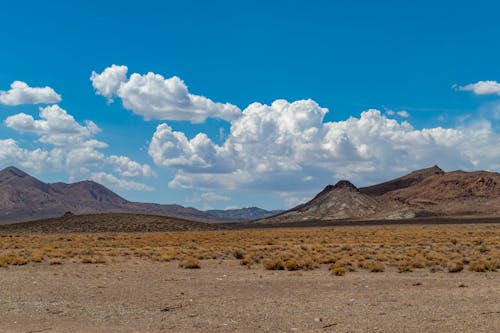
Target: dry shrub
87,260
455,267
100,259
404,268
190,263
238,254
36,256
4,262
337,270
419,261
18,260
478,266
275,264
377,267
55,261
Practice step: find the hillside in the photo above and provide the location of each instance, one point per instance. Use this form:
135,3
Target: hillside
24,198
422,193
110,222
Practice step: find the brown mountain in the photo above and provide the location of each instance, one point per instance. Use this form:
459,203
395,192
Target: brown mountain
24,198
340,201
422,193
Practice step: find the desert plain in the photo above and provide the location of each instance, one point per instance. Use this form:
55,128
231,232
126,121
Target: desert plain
384,278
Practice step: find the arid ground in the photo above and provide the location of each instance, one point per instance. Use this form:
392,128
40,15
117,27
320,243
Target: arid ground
343,279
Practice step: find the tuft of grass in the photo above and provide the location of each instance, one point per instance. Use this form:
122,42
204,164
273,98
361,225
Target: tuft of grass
18,260
274,264
36,256
377,267
337,270
55,261
455,267
87,260
478,266
100,259
190,263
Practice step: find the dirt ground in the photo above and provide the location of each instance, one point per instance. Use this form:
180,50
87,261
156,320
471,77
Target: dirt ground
143,296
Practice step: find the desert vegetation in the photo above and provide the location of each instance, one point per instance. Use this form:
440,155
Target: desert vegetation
452,248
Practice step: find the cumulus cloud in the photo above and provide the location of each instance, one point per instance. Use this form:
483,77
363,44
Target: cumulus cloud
481,88
155,97
108,82
74,149
129,168
287,147
21,93
36,160
117,183
55,126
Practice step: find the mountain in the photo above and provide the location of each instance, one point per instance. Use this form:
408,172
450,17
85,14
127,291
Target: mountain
243,214
340,201
402,182
422,193
24,198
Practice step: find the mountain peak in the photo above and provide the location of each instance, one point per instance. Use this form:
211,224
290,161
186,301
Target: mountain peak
345,184
12,171
341,184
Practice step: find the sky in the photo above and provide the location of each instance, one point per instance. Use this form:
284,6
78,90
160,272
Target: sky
231,104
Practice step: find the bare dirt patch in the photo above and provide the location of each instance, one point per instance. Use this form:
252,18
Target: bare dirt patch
137,295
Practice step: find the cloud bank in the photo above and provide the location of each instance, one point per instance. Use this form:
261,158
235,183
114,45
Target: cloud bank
287,147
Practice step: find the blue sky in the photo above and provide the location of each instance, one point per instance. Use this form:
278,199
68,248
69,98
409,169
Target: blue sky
371,90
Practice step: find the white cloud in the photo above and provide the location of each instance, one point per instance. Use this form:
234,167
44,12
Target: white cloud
117,183
287,148
212,196
21,93
481,88
108,82
403,114
74,149
55,126
36,160
154,97
129,168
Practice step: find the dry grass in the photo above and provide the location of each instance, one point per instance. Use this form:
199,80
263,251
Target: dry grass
402,248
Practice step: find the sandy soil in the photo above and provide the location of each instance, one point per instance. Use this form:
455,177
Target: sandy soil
222,296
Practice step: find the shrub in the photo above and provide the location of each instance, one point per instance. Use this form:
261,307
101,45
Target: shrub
55,261
100,259
87,260
455,267
274,264
377,267
478,266
246,262
36,256
337,271
238,254
190,263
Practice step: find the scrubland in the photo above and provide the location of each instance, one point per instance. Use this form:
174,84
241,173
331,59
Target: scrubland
451,248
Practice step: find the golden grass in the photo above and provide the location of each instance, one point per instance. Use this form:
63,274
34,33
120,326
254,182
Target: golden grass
401,248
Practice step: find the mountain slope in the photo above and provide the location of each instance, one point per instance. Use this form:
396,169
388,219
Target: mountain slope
422,193
24,198
340,201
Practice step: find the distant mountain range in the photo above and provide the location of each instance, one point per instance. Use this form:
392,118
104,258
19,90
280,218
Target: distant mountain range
24,198
243,214
422,193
